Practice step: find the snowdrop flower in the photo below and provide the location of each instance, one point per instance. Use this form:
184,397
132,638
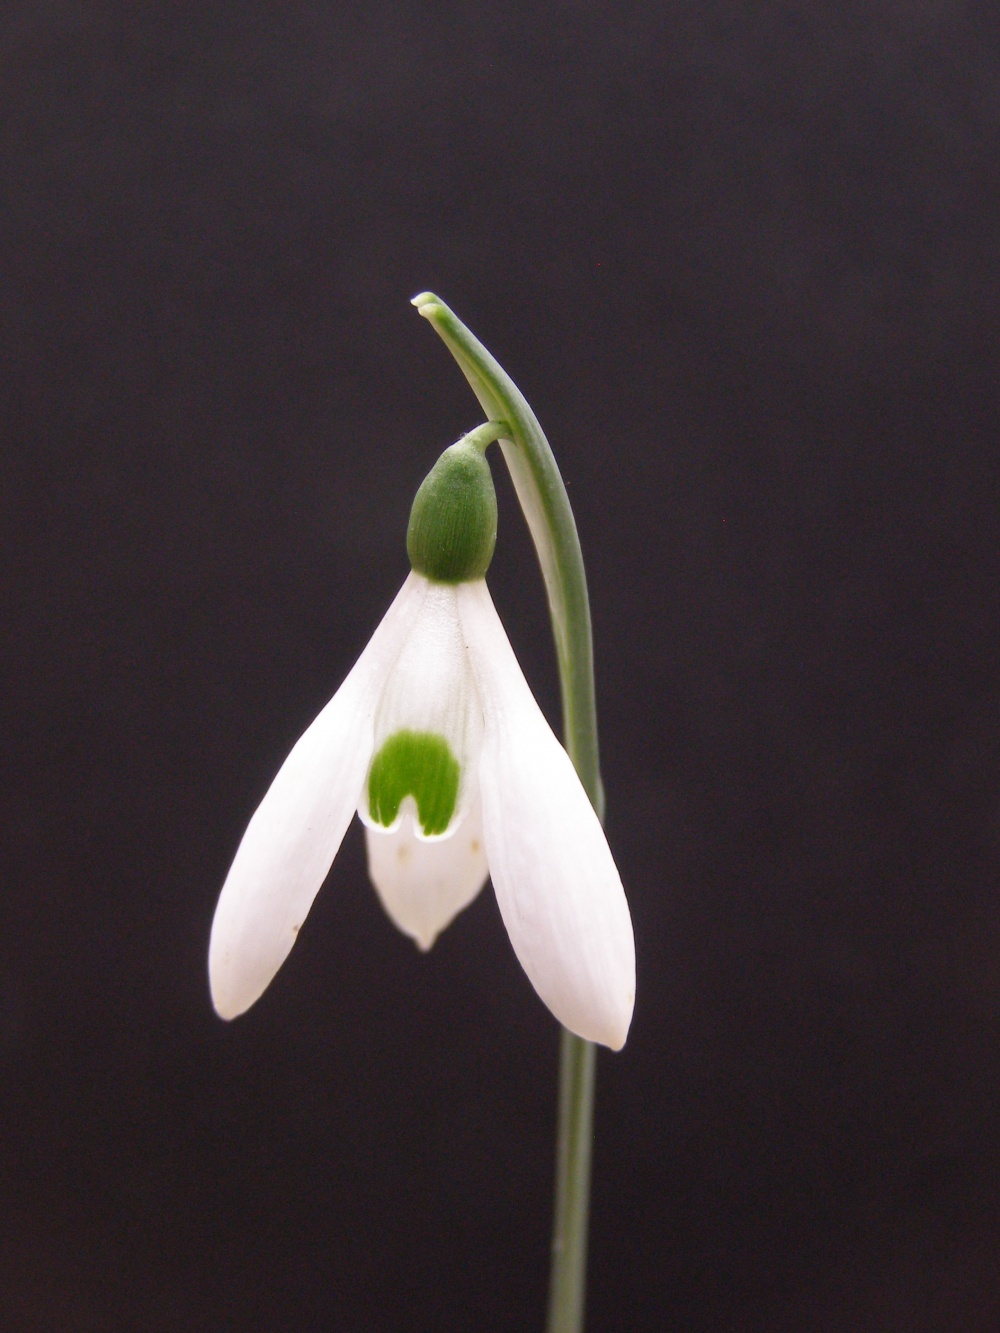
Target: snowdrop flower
436,740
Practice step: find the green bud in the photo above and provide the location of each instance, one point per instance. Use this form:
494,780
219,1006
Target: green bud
453,522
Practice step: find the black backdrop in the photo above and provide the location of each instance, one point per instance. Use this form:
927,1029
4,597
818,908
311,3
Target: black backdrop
742,260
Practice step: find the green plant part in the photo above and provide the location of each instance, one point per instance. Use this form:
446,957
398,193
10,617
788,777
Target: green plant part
418,764
453,522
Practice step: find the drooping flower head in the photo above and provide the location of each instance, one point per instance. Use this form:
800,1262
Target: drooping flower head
436,741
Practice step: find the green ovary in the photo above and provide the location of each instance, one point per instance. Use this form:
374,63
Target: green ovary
418,764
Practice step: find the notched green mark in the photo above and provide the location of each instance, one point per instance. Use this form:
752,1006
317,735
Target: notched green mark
418,764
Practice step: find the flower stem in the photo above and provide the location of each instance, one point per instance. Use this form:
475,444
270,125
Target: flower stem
542,495
483,436
568,1278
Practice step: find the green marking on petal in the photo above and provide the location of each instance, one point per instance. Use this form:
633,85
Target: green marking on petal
418,764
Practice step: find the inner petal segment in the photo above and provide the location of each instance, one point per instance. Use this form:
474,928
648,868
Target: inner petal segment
423,883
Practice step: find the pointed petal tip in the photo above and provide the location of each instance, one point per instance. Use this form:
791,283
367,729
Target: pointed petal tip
225,1006
229,998
424,884
617,1035
223,1011
607,1025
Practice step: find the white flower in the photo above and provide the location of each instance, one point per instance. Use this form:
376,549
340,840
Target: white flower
436,739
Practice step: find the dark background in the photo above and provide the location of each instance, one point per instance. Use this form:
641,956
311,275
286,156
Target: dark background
742,260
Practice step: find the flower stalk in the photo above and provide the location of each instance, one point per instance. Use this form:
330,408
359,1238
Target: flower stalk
543,498
542,495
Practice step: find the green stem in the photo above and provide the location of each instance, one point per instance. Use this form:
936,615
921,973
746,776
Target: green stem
542,495
568,1278
483,436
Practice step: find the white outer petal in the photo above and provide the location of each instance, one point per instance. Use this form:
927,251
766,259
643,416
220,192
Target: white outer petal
290,843
424,883
557,886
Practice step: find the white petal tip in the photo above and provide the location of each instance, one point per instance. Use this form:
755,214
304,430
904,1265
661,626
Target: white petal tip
423,885
224,1012
609,1028
617,1037
229,1000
